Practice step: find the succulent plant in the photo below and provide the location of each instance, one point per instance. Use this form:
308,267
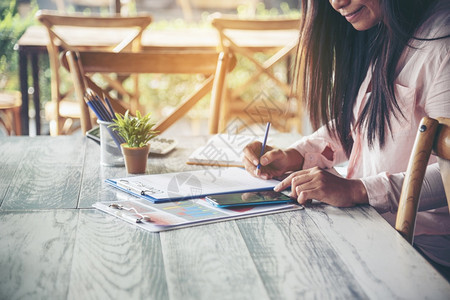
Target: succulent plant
137,131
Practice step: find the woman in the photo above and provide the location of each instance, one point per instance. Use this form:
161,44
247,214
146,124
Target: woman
371,70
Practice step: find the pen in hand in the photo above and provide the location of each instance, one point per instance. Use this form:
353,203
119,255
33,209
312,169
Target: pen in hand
258,167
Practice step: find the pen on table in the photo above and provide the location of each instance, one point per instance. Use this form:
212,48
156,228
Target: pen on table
258,167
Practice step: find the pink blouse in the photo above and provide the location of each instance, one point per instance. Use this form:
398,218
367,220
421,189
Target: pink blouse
422,88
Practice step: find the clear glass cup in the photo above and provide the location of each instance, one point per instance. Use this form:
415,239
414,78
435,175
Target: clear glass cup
110,153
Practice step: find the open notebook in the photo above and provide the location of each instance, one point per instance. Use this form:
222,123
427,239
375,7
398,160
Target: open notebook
222,150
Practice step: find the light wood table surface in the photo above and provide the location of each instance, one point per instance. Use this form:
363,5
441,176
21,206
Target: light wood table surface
54,245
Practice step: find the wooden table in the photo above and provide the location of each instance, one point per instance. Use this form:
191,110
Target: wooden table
33,43
53,245
114,5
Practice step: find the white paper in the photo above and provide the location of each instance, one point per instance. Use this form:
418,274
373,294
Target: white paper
222,150
192,184
178,214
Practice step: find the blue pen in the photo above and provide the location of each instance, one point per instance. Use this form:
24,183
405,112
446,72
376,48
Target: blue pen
98,111
110,106
103,109
263,145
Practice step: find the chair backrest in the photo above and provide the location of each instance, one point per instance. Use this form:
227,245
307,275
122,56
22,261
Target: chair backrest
84,64
432,136
80,32
226,25
277,38
52,21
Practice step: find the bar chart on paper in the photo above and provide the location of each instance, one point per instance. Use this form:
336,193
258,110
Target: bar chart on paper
177,214
190,210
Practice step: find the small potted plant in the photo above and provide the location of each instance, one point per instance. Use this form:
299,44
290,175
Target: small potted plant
137,132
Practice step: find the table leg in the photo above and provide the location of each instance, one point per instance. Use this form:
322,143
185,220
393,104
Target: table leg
23,78
36,93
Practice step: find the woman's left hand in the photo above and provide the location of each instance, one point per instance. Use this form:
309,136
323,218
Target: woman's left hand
320,184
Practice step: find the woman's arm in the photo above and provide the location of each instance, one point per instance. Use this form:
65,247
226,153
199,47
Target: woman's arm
320,149
388,188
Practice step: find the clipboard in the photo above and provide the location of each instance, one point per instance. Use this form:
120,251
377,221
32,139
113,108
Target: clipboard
179,186
174,215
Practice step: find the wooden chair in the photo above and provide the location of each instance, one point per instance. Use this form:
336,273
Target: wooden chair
83,64
268,108
10,103
432,136
113,34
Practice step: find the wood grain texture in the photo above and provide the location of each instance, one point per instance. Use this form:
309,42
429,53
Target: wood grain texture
210,262
30,188
57,19
295,260
412,184
6,177
9,159
383,263
42,149
159,61
46,150
48,174
114,260
36,253
321,252
8,149
93,186
175,161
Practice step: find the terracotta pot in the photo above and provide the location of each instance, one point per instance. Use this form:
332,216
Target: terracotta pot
135,158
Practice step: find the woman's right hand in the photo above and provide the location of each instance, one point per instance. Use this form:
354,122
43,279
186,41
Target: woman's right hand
274,162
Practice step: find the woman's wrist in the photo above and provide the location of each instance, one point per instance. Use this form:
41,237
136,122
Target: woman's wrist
359,192
295,159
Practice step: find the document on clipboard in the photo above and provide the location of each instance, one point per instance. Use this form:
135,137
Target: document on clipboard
180,214
192,184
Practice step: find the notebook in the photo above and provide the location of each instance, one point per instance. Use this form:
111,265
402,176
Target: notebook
222,150
192,184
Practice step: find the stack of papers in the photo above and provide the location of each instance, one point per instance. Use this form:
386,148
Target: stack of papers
158,203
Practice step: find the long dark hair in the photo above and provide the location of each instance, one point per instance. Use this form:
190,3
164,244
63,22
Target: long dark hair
333,60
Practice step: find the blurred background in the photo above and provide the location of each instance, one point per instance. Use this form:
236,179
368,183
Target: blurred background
18,15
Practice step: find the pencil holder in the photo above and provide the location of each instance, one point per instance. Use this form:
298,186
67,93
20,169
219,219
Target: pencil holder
110,153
